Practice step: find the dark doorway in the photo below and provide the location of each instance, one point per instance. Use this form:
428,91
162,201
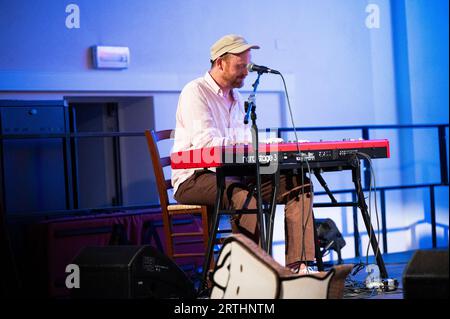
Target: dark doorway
111,170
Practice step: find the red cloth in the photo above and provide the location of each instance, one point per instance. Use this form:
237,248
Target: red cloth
55,243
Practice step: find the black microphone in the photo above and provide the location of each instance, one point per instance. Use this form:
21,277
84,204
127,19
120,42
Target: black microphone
260,69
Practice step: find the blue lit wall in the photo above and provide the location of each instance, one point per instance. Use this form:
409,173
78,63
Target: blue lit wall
339,71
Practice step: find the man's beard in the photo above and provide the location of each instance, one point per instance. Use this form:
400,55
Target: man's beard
238,83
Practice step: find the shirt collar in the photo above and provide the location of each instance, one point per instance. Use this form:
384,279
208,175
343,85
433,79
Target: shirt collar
216,88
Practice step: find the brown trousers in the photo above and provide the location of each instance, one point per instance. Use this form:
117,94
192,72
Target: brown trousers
201,189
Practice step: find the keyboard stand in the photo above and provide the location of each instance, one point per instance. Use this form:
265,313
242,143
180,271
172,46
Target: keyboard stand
355,167
356,178
247,169
325,186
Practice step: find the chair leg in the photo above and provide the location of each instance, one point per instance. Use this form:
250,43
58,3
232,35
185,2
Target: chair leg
206,230
167,226
205,226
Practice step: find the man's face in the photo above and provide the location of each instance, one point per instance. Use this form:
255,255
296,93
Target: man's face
235,68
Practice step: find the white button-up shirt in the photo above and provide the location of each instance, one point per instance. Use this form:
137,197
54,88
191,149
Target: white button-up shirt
206,117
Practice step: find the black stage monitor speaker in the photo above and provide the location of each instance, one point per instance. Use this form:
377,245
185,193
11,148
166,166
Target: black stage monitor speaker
329,236
129,272
426,275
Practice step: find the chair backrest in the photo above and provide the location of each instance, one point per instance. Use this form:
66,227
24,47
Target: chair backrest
159,162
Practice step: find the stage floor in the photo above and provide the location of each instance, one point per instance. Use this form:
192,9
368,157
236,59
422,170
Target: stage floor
355,287
395,265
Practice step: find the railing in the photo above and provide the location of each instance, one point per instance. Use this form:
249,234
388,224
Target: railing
70,156
365,134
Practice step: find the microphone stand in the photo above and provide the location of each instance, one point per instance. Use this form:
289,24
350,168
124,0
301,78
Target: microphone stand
250,110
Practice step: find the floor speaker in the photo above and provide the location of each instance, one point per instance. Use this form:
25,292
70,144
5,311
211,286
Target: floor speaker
129,272
426,275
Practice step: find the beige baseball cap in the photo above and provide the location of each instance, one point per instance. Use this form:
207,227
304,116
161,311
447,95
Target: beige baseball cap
230,43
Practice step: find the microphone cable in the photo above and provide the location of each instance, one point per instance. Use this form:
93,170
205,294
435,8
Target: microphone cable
302,202
304,223
372,179
290,112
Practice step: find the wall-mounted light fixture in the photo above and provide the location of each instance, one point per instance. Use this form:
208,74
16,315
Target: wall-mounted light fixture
107,57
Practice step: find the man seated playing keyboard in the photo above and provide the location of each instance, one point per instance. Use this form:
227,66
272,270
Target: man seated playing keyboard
210,113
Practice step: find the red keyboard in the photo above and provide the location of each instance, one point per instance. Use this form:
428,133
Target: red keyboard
324,151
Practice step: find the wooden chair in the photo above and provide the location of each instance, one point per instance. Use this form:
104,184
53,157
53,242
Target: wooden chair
168,210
